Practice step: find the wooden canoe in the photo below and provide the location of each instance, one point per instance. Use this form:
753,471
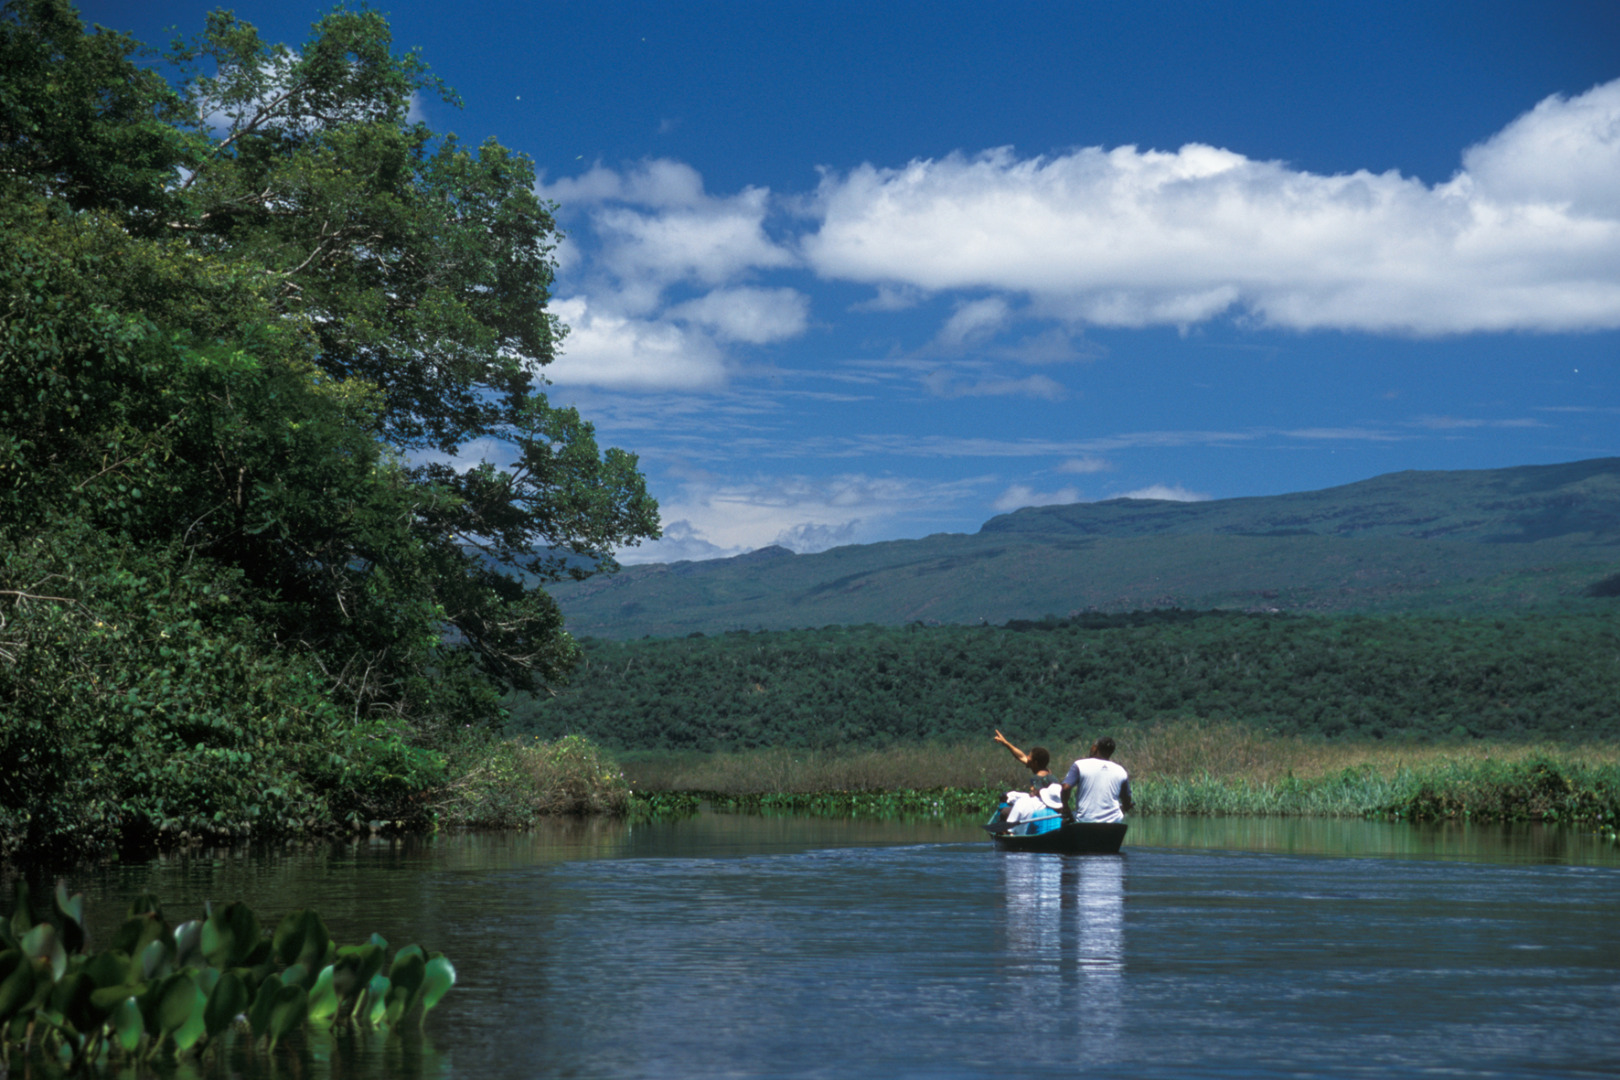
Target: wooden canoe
1073,838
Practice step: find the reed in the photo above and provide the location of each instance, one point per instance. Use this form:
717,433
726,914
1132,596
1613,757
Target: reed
508,783
1180,768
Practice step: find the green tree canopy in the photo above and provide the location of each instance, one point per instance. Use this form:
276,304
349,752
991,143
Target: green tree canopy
252,317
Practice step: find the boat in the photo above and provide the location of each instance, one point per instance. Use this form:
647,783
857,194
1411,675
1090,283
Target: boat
1050,833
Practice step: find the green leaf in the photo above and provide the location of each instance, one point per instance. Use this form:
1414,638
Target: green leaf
230,934
439,976
17,985
41,943
187,942
128,1024
323,998
405,975
110,967
177,998
22,916
288,1013
263,1003
156,960
226,1003
71,911
375,1002
301,938
72,999
146,905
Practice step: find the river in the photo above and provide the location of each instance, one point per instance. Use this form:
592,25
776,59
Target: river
734,946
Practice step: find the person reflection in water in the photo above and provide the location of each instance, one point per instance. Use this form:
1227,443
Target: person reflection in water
1104,787
1042,793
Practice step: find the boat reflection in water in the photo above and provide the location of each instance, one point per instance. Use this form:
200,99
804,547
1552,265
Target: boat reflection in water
1065,946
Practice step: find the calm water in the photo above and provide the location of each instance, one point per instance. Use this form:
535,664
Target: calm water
728,946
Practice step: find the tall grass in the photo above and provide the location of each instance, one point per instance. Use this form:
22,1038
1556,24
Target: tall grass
1185,768
508,783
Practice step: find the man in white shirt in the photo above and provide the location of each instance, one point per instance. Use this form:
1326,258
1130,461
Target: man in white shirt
1104,787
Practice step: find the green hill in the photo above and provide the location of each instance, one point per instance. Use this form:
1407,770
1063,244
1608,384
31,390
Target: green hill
1527,538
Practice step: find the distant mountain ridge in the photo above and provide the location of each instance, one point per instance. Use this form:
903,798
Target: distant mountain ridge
1520,505
1462,541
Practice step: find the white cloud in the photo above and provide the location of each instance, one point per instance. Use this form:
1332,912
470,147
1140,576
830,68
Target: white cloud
603,349
809,537
1563,153
890,298
801,513
653,226
1450,423
1085,464
660,183
755,316
1169,492
974,321
710,245
949,382
680,543
1526,237
1020,495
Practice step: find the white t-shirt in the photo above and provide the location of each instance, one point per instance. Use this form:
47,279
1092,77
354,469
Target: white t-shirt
1096,783
1021,806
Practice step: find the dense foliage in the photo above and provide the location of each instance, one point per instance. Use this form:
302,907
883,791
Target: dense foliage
251,322
1063,681
162,990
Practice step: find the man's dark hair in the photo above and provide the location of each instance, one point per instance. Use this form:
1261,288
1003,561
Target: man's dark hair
1105,747
1039,758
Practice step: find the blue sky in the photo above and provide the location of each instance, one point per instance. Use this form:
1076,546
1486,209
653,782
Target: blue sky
847,272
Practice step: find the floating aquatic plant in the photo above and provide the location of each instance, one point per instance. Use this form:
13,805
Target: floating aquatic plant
161,989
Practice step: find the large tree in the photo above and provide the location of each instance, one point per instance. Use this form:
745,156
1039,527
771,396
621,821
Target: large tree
252,318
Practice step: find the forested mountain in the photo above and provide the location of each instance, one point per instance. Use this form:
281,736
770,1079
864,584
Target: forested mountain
1534,537
1405,677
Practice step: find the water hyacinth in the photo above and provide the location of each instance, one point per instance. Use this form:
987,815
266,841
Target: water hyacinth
178,990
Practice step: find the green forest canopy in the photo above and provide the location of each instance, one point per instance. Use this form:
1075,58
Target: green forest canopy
1062,681
251,313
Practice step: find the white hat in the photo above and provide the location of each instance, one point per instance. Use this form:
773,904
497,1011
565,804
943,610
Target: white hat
1052,796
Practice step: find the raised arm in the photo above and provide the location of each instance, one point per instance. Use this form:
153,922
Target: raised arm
1023,758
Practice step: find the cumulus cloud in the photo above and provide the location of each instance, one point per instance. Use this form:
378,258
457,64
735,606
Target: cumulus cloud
680,543
1167,492
1020,495
636,235
755,316
814,537
604,349
1525,236
1563,154
654,226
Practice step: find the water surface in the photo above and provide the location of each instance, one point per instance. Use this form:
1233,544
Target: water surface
733,946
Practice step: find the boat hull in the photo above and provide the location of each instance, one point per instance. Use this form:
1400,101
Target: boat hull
1073,838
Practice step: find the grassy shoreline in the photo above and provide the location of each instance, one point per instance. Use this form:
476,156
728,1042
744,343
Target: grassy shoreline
1193,769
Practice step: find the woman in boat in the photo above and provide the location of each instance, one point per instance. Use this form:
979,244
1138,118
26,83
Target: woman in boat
1043,792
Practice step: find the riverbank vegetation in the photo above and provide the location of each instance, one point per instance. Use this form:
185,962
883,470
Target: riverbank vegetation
258,325
1184,768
